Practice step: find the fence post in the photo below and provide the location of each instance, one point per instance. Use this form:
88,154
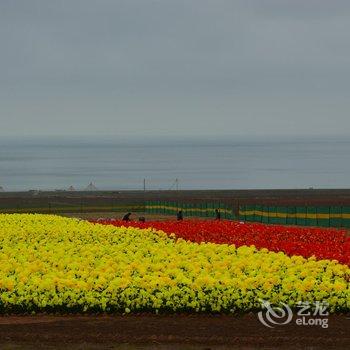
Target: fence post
341,214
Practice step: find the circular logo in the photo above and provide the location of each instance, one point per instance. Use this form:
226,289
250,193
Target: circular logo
273,316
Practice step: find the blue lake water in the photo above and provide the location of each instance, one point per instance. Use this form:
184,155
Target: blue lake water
229,164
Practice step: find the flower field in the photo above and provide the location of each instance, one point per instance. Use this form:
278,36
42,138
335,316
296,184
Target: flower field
55,264
319,242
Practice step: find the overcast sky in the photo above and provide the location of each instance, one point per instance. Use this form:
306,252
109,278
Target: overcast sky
174,67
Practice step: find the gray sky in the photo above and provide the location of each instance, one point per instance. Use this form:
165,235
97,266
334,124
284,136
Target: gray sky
174,67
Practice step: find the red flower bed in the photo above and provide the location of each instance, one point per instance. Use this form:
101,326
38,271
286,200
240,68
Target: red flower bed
319,242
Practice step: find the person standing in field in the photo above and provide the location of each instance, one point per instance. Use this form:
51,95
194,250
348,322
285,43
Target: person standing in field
217,214
126,217
179,215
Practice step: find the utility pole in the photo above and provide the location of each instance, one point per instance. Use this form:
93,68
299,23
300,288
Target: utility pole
144,185
177,184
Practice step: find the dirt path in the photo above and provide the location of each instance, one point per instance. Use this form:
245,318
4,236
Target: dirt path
192,331
119,215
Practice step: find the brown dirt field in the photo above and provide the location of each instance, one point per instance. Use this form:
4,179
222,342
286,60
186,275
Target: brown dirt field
180,331
118,215
232,197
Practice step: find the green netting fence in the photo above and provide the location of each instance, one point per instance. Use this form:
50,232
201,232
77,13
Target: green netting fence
324,216
191,209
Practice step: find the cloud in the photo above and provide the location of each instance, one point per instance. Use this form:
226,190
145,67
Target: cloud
174,67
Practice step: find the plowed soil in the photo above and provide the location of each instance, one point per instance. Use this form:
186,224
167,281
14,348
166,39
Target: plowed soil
178,331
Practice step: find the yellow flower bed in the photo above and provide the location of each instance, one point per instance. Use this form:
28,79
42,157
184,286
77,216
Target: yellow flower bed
59,264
